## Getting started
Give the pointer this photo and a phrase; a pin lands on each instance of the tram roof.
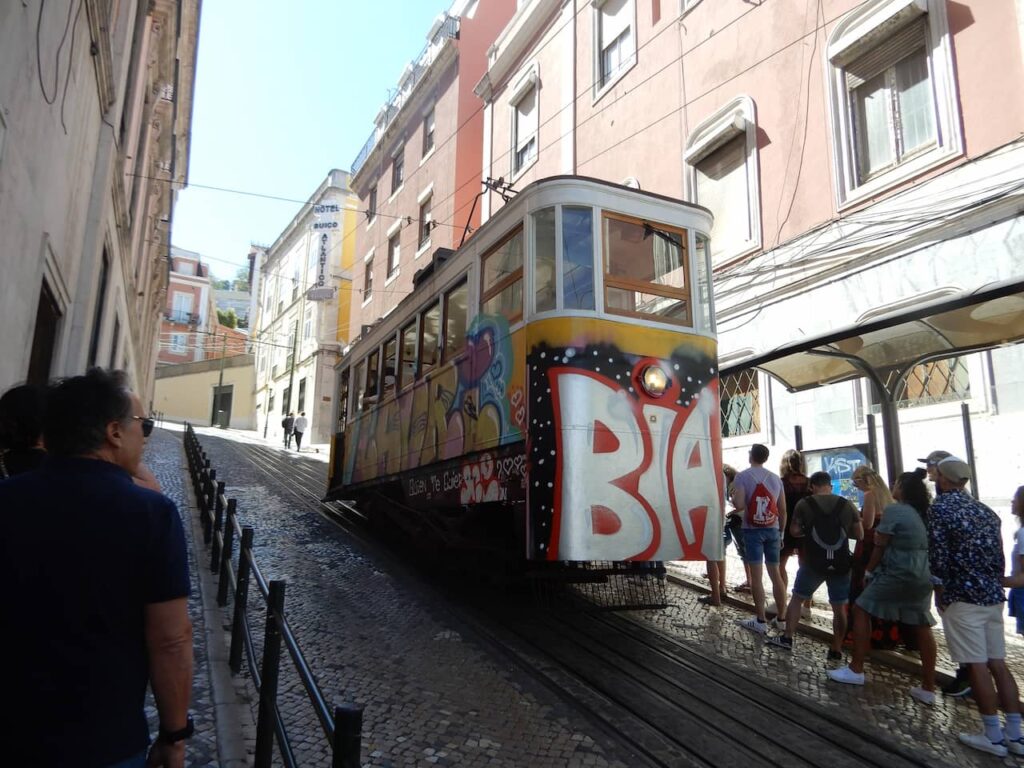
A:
(891, 345)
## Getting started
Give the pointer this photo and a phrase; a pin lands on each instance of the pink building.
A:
(865, 169)
(185, 330)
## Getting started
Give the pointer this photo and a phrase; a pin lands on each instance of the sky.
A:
(284, 92)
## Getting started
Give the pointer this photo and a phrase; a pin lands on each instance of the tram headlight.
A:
(654, 380)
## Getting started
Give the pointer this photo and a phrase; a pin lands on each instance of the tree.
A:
(228, 319)
(242, 279)
(220, 285)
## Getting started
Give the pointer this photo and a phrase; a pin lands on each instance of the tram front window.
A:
(503, 279)
(646, 270)
(577, 258)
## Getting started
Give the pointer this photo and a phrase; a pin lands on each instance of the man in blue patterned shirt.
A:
(966, 557)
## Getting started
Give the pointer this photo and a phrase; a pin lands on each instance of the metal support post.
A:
(265, 724)
(798, 437)
(225, 555)
(965, 415)
(241, 600)
(218, 527)
(872, 440)
(348, 728)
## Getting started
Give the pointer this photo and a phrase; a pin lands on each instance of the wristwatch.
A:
(172, 737)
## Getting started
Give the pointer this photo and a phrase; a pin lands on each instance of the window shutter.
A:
(722, 187)
(526, 118)
(614, 20)
(887, 53)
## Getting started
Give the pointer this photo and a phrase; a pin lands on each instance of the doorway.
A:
(221, 413)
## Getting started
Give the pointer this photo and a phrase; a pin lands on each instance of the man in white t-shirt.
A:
(301, 422)
(757, 493)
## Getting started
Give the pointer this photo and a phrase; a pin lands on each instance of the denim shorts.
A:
(808, 581)
(761, 545)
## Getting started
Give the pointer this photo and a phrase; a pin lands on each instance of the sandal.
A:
(743, 588)
(708, 600)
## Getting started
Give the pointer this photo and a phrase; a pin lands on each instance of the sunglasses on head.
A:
(147, 424)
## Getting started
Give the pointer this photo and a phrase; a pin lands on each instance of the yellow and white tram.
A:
(548, 390)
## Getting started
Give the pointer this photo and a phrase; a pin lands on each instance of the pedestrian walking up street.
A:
(288, 425)
(898, 585)
(96, 607)
(967, 564)
(301, 423)
(758, 493)
(825, 523)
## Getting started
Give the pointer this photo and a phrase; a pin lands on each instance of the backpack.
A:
(762, 511)
(826, 546)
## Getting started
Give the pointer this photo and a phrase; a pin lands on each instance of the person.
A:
(21, 429)
(877, 498)
(288, 425)
(300, 425)
(796, 485)
(716, 568)
(758, 493)
(966, 558)
(899, 586)
(931, 463)
(104, 613)
(826, 523)
(1016, 578)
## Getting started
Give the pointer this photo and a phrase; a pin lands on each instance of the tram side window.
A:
(503, 278)
(429, 336)
(343, 399)
(360, 386)
(646, 270)
(544, 258)
(577, 258)
(456, 317)
(390, 363)
(407, 366)
(372, 379)
(704, 315)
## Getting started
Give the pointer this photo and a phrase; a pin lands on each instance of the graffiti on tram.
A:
(494, 476)
(464, 407)
(616, 473)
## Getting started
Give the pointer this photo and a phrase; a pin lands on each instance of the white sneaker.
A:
(1014, 746)
(922, 695)
(758, 627)
(779, 625)
(983, 743)
(846, 675)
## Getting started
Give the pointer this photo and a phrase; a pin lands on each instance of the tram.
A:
(549, 390)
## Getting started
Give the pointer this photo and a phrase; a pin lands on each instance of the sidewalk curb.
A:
(893, 659)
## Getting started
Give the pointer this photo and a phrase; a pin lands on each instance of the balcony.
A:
(182, 318)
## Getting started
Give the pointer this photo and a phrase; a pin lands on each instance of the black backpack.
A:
(826, 543)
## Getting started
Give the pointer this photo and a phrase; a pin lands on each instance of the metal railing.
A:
(342, 724)
(420, 66)
(186, 318)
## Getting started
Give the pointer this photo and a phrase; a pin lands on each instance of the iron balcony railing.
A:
(185, 318)
(449, 29)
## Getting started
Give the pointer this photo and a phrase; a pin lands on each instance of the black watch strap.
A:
(172, 737)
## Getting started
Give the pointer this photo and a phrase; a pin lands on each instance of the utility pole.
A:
(291, 371)
(220, 378)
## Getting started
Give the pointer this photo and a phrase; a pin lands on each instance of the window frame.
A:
(421, 326)
(429, 142)
(371, 206)
(397, 171)
(601, 85)
(486, 294)
(447, 353)
(423, 235)
(394, 255)
(368, 278)
(414, 324)
(527, 81)
(859, 33)
(625, 284)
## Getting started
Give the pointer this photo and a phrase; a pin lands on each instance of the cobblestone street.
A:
(433, 693)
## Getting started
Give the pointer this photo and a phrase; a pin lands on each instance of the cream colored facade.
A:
(297, 341)
(186, 392)
(94, 139)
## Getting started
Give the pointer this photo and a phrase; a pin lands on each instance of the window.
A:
(430, 333)
(181, 304)
(270, 405)
(372, 390)
(544, 259)
(577, 258)
(390, 365)
(939, 381)
(179, 343)
(307, 325)
(426, 222)
(343, 390)
(741, 403)
(286, 399)
(456, 319)
(302, 395)
(722, 161)
(44, 337)
(892, 94)
(616, 42)
(428, 132)
(101, 300)
(645, 270)
(368, 279)
(407, 366)
(371, 204)
(394, 246)
(115, 342)
(502, 292)
(524, 128)
(398, 170)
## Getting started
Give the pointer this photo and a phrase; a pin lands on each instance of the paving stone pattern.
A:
(431, 694)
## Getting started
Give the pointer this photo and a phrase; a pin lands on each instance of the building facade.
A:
(94, 141)
(303, 287)
(186, 322)
(865, 172)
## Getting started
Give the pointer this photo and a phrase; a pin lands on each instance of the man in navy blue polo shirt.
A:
(96, 574)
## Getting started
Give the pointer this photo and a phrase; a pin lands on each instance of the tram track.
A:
(670, 703)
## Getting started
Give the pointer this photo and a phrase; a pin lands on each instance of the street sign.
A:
(320, 294)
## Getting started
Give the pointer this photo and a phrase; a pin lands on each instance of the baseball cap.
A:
(954, 469)
(935, 457)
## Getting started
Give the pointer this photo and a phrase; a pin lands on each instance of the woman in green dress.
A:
(899, 584)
